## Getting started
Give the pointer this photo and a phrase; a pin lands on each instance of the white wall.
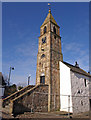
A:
(1, 91)
(65, 88)
(81, 104)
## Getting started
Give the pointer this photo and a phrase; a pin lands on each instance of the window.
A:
(85, 82)
(43, 40)
(54, 29)
(43, 55)
(78, 92)
(44, 29)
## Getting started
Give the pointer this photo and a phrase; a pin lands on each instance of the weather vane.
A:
(49, 6)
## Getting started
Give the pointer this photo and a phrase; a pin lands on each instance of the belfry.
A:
(48, 57)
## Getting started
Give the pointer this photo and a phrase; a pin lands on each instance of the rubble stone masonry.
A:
(48, 66)
(35, 99)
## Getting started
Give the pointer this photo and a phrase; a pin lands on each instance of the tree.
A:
(5, 78)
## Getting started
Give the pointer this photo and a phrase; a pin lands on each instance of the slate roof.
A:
(49, 18)
(77, 69)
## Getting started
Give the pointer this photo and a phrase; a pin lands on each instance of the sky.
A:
(0, 37)
(21, 28)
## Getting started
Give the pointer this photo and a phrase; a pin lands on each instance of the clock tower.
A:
(48, 57)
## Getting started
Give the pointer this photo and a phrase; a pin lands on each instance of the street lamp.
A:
(29, 79)
(11, 68)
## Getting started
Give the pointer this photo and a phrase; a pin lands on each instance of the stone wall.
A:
(56, 56)
(7, 100)
(80, 104)
(35, 99)
(48, 66)
(90, 95)
(43, 64)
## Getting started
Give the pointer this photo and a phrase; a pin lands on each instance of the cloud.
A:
(22, 79)
(22, 55)
(77, 52)
(84, 62)
(26, 49)
(22, 84)
(21, 72)
(75, 46)
(24, 59)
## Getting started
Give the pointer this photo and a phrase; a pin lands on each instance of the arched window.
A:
(43, 40)
(44, 29)
(43, 55)
(54, 29)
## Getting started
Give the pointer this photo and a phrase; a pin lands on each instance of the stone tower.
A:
(48, 57)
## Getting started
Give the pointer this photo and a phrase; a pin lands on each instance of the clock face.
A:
(43, 55)
(43, 40)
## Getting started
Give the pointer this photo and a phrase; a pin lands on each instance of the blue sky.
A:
(21, 29)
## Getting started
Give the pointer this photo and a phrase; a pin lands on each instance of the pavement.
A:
(45, 116)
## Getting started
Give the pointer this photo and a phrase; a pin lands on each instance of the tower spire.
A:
(49, 7)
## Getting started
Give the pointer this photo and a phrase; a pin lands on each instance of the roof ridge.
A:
(77, 69)
(70, 64)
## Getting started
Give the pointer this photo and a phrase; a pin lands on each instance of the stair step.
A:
(6, 100)
(5, 110)
(7, 106)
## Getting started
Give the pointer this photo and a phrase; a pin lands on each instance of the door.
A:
(42, 79)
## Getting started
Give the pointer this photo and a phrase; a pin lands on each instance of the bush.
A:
(20, 87)
(9, 90)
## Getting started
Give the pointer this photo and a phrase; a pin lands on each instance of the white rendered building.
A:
(74, 88)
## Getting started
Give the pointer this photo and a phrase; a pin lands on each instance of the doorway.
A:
(42, 79)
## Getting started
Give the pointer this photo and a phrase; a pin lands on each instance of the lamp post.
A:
(11, 68)
(29, 79)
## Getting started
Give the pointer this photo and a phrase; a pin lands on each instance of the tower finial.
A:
(49, 7)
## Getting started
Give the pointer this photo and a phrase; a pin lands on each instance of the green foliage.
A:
(10, 89)
(20, 87)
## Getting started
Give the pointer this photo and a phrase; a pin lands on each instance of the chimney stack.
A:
(76, 64)
(89, 72)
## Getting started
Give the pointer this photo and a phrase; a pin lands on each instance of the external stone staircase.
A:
(6, 109)
(25, 99)
(7, 100)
